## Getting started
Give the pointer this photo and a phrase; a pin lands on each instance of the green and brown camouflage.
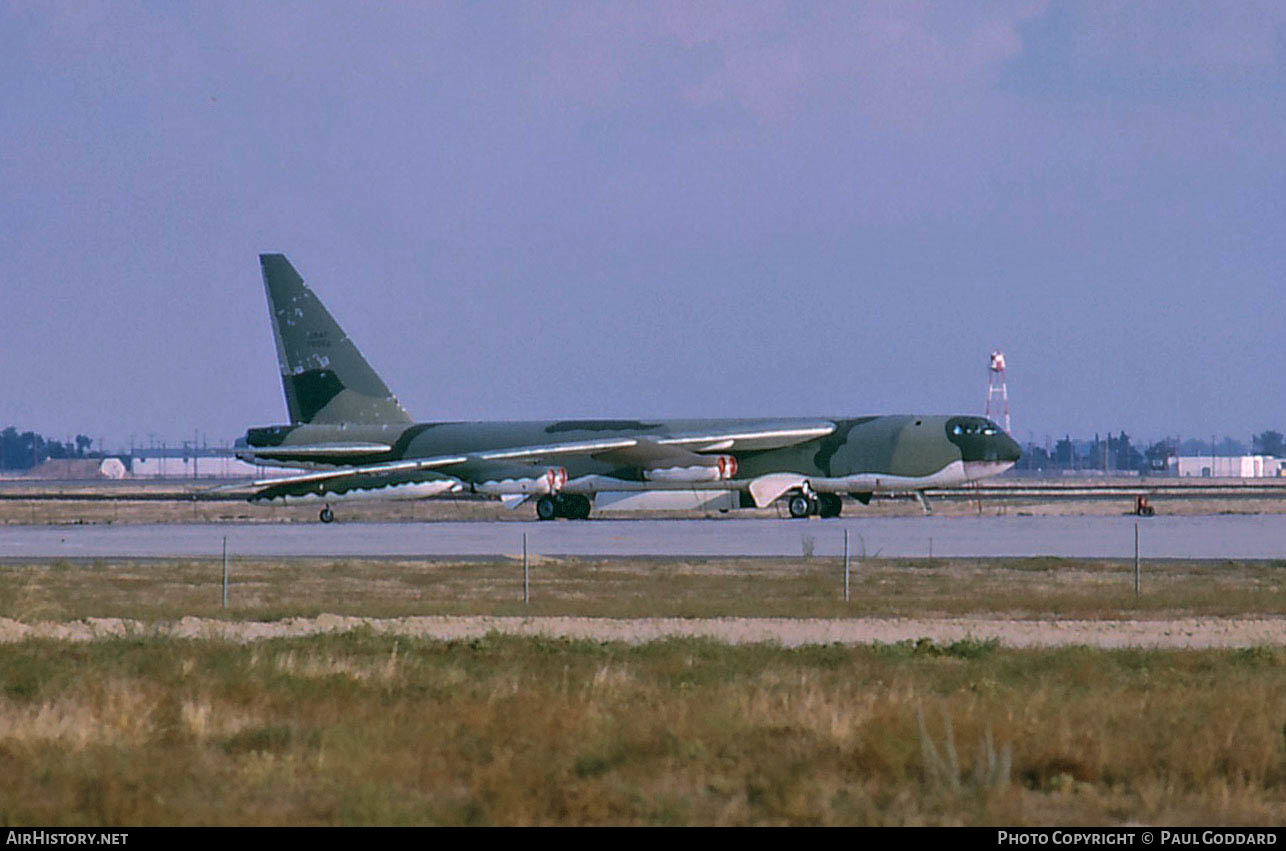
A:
(349, 429)
(324, 376)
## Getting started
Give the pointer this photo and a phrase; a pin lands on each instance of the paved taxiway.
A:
(1202, 537)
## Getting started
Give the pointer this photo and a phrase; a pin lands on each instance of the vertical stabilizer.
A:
(325, 377)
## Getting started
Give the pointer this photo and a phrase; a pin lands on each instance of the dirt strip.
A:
(1182, 632)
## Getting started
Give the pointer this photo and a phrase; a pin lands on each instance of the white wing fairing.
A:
(766, 490)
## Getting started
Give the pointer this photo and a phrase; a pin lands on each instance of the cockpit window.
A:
(974, 427)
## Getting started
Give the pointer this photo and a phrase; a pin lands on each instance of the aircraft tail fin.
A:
(324, 376)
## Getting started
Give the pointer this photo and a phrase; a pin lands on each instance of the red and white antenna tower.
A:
(997, 391)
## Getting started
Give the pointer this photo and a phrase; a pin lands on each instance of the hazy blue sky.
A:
(630, 209)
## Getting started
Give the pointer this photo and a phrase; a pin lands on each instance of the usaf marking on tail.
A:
(357, 441)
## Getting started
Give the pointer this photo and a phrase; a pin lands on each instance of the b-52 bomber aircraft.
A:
(356, 441)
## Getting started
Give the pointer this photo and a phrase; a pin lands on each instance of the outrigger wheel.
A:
(326, 515)
(801, 506)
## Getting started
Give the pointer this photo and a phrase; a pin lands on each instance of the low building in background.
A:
(175, 466)
(1230, 467)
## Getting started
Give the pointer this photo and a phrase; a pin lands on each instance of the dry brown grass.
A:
(638, 587)
(358, 728)
(363, 729)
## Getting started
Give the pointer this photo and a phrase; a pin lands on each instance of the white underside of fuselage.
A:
(978, 470)
(953, 475)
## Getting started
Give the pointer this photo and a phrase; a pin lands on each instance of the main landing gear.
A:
(824, 505)
(573, 506)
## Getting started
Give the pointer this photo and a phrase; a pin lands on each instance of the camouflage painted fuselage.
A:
(350, 429)
(900, 450)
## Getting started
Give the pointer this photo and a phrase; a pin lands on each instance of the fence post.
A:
(1136, 560)
(526, 574)
(225, 571)
(845, 565)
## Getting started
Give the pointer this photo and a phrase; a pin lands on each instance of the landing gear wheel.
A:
(546, 508)
(801, 506)
(576, 506)
(326, 515)
(829, 505)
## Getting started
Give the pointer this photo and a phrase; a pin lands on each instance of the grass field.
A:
(633, 587)
(365, 729)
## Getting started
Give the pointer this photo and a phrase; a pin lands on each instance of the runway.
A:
(1197, 537)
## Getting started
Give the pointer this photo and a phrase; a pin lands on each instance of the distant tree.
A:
(1034, 458)
(1159, 455)
(1230, 447)
(1065, 453)
(1224, 448)
(1126, 457)
(1193, 446)
(28, 449)
(34, 450)
(1270, 443)
(1098, 456)
(9, 450)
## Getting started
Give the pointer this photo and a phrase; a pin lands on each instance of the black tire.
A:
(577, 507)
(546, 508)
(829, 505)
(800, 506)
(326, 515)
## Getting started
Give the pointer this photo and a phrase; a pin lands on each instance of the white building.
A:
(1231, 466)
(205, 467)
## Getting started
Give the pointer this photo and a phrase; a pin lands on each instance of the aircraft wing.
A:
(681, 457)
(763, 436)
(421, 472)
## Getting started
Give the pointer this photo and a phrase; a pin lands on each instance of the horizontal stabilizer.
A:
(311, 452)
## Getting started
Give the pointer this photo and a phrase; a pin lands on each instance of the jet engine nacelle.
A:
(552, 481)
(720, 467)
